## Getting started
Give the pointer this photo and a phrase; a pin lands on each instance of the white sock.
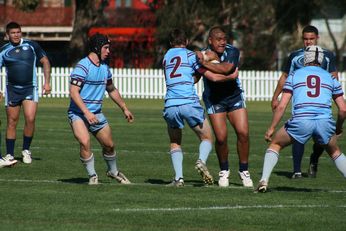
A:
(205, 148)
(270, 159)
(89, 165)
(177, 161)
(111, 162)
(340, 163)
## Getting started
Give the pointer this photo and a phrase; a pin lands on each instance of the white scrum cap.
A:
(313, 54)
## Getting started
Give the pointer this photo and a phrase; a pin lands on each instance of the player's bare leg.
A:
(175, 137)
(29, 110)
(219, 124)
(12, 121)
(104, 137)
(81, 134)
(203, 132)
(239, 120)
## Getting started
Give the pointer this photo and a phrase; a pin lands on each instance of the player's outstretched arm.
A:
(340, 103)
(116, 97)
(46, 72)
(219, 77)
(278, 113)
(278, 90)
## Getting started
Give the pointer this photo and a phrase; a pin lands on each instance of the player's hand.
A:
(46, 89)
(91, 117)
(212, 55)
(199, 56)
(274, 104)
(128, 115)
(1, 96)
(233, 75)
(268, 135)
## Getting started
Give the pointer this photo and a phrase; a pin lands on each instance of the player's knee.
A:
(30, 119)
(221, 141)
(175, 146)
(108, 149)
(84, 144)
(275, 147)
(243, 136)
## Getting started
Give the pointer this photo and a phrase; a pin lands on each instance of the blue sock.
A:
(10, 146)
(205, 148)
(111, 162)
(270, 159)
(27, 142)
(224, 166)
(243, 167)
(340, 163)
(297, 155)
(317, 151)
(177, 161)
(89, 165)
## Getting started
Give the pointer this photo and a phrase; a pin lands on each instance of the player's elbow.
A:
(342, 112)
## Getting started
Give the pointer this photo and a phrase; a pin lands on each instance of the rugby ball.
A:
(206, 58)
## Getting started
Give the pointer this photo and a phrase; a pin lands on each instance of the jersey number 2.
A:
(176, 61)
(313, 82)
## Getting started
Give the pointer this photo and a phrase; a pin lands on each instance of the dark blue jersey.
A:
(296, 61)
(216, 91)
(20, 62)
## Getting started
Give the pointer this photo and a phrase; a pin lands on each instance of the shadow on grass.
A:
(289, 174)
(294, 189)
(75, 180)
(20, 159)
(194, 183)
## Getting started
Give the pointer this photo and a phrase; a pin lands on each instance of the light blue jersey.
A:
(92, 80)
(180, 64)
(313, 89)
(20, 62)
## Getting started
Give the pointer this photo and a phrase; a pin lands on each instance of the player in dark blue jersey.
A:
(312, 90)
(296, 61)
(19, 57)
(182, 104)
(89, 81)
(225, 101)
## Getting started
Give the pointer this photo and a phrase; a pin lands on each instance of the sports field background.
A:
(52, 193)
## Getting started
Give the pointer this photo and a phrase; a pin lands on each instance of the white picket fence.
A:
(150, 83)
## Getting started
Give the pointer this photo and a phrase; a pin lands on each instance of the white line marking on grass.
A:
(224, 208)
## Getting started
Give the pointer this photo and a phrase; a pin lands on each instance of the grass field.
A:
(52, 193)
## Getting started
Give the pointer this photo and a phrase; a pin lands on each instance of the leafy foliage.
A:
(27, 5)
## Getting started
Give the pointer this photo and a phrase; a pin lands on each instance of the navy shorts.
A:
(228, 104)
(15, 96)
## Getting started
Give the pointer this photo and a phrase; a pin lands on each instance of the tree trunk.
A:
(86, 16)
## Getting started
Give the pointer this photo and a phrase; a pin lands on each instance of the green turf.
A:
(52, 194)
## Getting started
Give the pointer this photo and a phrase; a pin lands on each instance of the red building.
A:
(130, 25)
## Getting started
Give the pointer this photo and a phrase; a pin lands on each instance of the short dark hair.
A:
(216, 29)
(12, 25)
(310, 29)
(177, 37)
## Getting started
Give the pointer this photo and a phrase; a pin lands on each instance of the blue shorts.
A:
(302, 130)
(193, 114)
(228, 104)
(94, 128)
(15, 96)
